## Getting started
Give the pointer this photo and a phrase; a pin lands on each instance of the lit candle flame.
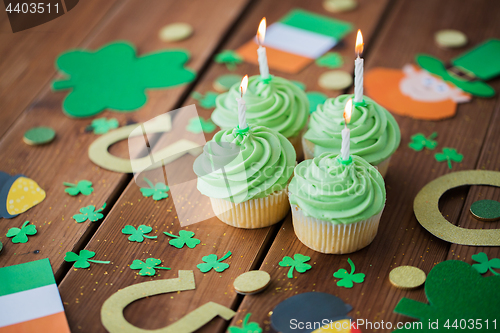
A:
(359, 43)
(348, 111)
(261, 32)
(244, 85)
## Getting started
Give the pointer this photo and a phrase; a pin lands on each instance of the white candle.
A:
(261, 51)
(358, 70)
(346, 133)
(242, 107)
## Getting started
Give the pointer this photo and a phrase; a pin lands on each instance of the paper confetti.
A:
(138, 235)
(297, 263)
(89, 213)
(147, 268)
(185, 238)
(347, 279)
(83, 186)
(21, 235)
(82, 260)
(211, 261)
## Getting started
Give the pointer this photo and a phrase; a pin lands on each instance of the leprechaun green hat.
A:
(469, 69)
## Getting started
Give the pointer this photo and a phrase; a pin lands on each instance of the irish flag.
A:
(30, 300)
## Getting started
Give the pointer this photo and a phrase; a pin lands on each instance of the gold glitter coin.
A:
(450, 38)
(251, 282)
(407, 277)
(338, 6)
(335, 80)
(175, 32)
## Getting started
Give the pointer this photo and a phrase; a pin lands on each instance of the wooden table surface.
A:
(394, 32)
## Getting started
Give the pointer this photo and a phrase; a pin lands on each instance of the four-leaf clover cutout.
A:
(347, 279)
(211, 261)
(449, 154)
(207, 101)
(184, 238)
(198, 124)
(83, 186)
(485, 264)
(103, 125)
(82, 260)
(230, 58)
(148, 267)
(21, 235)
(246, 327)
(297, 263)
(419, 142)
(158, 191)
(138, 235)
(89, 213)
(330, 60)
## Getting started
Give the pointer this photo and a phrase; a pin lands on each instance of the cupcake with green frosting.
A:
(245, 173)
(375, 134)
(275, 103)
(336, 204)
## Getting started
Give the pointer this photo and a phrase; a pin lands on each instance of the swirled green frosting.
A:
(276, 103)
(239, 166)
(328, 190)
(375, 134)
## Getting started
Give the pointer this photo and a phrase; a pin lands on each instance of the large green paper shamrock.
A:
(89, 213)
(139, 234)
(84, 187)
(103, 125)
(148, 267)
(246, 327)
(207, 101)
(82, 260)
(485, 264)
(211, 261)
(457, 295)
(449, 154)
(419, 142)
(347, 279)
(298, 262)
(184, 238)
(330, 60)
(230, 58)
(114, 77)
(198, 124)
(21, 235)
(158, 191)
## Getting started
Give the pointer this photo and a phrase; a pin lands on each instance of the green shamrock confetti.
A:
(449, 154)
(198, 124)
(230, 58)
(330, 60)
(147, 268)
(103, 125)
(82, 260)
(315, 98)
(138, 235)
(89, 213)
(298, 262)
(184, 238)
(211, 261)
(485, 264)
(114, 77)
(347, 279)
(246, 327)
(419, 141)
(21, 235)
(207, 101)
(158, 191)
(84, 187)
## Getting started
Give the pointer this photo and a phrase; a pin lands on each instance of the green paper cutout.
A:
(456, 292)
(486, 210)
(482, 60)
(158, 191)
(21, 235)
(184, 238)
(330, 60)
(449, 154)
(226, 81)
(297, 263)
(84, 187)
(419, 142)
(198, 124)
(320, 24)
(211, 261)
(138, 235)
(299, 84)
(207, 101)
(103, 125)
(40, 135)
(89, 213)
(347, 279)
(1, 246)
(147, 268)
(485, 264)
(230, 58)
(82, 260)
(246, 327)
(315, 98)
(114, 77)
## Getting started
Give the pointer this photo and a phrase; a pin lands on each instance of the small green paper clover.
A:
(485, 264)
(449, 154)
(298, 262)
(89, 213)
(84, 187)
(246, 327)
(198, 125)
(103, 125)
(347, 279)
(419, 142)
(184, 238)
(139, 234)
(21, 235)
(230, 58)
(148, 267)
(211, 261)
(207, 101)
(330, 60)
(82, 260)
(158, 191)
